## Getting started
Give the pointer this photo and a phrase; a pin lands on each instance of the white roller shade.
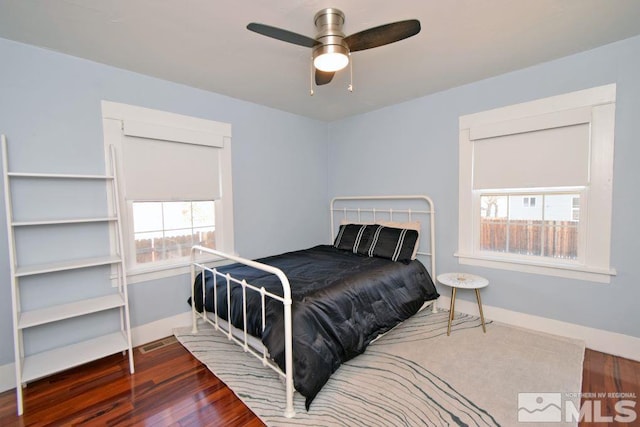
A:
(193, 170)
(172, 133)
(556, 157)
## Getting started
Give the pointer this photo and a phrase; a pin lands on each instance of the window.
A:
(510, 223)
(548, 215)
(174, 177)
(529, 202)
(167, 230)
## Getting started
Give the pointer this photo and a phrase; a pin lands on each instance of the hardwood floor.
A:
(619, 378)
(171, 388)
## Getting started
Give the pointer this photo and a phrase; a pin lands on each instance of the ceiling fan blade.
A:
(323, 77)
(280, 34)
(384, 34)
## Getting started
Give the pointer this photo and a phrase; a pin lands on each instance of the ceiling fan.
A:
(331, 48)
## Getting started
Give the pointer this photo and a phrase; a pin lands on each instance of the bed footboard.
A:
(228, 329)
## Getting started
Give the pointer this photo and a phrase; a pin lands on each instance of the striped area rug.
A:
(415, 375)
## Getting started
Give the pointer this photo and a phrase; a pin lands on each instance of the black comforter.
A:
(341, 302)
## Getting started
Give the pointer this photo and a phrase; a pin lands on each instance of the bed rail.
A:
(232, 332)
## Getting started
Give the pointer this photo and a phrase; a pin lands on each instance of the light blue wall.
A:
(413, 148)
(50, 111)
(286, 167)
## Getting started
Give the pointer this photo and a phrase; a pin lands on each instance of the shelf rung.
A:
(66, 265)
(63, 221)
(57, 176)
(61, 358)
(66, 311)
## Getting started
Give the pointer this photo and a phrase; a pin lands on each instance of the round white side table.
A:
(463, 281)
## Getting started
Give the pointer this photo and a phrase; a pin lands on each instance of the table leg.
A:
(451, 309)
(480, 307)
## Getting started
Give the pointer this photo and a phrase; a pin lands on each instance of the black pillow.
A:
(355, 238)
(395, 244)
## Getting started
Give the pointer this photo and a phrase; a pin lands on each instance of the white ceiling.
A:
(205, 43)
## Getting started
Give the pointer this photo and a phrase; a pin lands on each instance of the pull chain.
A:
(350, 88)
(311, 78)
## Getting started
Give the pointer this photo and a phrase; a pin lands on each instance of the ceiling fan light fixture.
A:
(331, 49)
(330, 58)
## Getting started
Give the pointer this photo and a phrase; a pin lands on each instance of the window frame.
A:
(596, 198)
(114, 116)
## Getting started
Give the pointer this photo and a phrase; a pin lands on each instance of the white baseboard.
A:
(595, 339)
(7, 377)
(159, 329)
(139, 335)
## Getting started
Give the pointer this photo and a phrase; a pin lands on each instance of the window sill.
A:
(148, 273)
(578, 272)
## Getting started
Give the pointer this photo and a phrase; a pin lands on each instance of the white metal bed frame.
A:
(349, 209)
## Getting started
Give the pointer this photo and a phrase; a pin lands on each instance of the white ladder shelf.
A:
(30, 367)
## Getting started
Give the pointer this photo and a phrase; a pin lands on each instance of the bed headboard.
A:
(371, 209)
